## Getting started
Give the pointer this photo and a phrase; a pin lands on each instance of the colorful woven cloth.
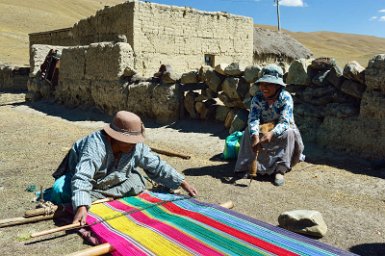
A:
(165, 224)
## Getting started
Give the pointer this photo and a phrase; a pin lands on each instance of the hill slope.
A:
(19, 17)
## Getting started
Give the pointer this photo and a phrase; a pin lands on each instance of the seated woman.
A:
(278, 150)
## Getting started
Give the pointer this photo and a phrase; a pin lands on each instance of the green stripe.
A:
(215, 239)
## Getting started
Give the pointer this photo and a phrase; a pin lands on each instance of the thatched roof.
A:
(268, 42)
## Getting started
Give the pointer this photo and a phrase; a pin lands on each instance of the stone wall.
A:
(161, 34)
(100, 76)
(13, 79)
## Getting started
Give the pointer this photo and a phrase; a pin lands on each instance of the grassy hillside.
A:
(20, 17)
(343, 47)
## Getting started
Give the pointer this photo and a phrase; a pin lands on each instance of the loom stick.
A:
(42, 211)
(94, 251)
(170, 153)
(54, 230)
(107, 248)
(22, 220)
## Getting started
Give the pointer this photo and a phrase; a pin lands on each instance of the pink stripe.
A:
(120, 244)
(167, 230)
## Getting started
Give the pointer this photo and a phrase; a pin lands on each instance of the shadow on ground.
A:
(355, 164)
(375, 249)
(314, 153)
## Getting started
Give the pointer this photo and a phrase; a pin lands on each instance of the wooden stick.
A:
(94, 251)
(54, 230)
(39, 211)
(107, 248)
(42, 211)
(170, 153)
(22, 220)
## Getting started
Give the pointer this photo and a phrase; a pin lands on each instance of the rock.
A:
(323, 63)
(230, 86)
(220, 69)
(353, 70)
(334, 77)
(251, 73)
(234, 69)
(353, 88)
(221, 113)
(129, 71)
(298, 72)
(189, 103)
(304, 222)
(343, 110)
(243, 88)
(213, 80)
(253, 90)
(239, 122)
(190, 78)
(170, 77)
(320, 78)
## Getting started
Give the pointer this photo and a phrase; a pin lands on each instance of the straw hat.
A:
(126, 127)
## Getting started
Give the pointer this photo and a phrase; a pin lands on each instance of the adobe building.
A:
(159, 34)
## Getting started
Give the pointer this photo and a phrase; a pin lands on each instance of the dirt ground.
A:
(34, 137)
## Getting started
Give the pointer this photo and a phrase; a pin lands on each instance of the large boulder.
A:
(298, 72)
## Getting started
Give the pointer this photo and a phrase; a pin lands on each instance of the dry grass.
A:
(19, 17)
(342, 47)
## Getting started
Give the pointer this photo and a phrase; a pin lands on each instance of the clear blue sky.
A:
(345, 16)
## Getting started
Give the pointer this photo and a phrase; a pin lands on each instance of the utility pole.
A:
(279, 26)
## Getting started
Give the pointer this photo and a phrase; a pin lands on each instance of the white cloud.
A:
(292, 3)
(382, 18)
(382, 10)
(373, 18)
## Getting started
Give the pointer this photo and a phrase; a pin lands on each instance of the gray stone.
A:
(334, 77)
(353, 88)
(165, 104)
(353, 70)
(213, 80)
(375, 73)
(189, 103)
(298, 72)
(372, 105)
(320, 78)
(240, 121)
(220, 69)
(221, 113)
(251, 73)
(234, 69)
(323, 63)
(230, 86)
(243, 88)
(189, 78)
(343, 110)
(307, 222)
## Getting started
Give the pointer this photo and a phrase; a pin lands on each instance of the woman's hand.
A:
(266, 137)
(188, 188)
(81, 215)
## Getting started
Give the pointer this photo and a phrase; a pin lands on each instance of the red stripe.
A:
(222, 227)
(177, 235)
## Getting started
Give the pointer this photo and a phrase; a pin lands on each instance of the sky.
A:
(365, 17)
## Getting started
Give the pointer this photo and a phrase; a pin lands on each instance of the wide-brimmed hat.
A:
(273, 74)
(126, 127)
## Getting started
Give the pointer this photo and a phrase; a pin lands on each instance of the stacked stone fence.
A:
(13, 78)
(338, 108)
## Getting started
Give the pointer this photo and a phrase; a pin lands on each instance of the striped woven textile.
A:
(164, 224)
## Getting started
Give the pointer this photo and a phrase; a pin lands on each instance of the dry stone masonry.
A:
(167, 63)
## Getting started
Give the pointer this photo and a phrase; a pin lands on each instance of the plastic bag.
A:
(232, 144)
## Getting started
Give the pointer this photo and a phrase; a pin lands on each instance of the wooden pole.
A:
(54, 230)
(170, 153)
(22, 220)
(94, 251)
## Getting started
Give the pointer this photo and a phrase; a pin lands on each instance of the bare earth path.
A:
(35, 136)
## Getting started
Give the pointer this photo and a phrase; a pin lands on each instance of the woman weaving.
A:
(104, 164)
(279, 149)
